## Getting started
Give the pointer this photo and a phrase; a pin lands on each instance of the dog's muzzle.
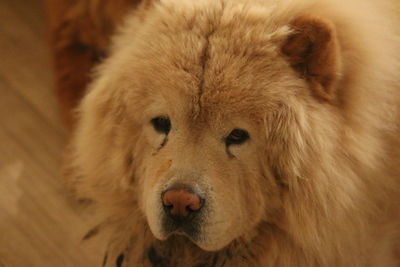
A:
(183, 208)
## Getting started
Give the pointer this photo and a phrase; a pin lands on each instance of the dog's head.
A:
(202, 115)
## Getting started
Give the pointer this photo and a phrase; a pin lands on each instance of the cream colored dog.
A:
(246, 133)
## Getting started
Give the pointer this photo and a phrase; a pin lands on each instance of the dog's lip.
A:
(177, 232)
(181, 233)
(181, 230)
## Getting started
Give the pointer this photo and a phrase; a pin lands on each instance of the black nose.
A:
(181, 203)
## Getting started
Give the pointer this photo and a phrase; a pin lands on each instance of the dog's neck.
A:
(179, 251)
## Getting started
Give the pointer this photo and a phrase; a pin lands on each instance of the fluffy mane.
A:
(342, 168)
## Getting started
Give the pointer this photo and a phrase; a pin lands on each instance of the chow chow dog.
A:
(234, 132)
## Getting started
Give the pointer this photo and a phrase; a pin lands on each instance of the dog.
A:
(234, 133)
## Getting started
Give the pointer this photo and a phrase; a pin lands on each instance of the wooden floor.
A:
(38, 224)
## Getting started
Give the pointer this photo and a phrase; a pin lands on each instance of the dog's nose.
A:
(180, 202)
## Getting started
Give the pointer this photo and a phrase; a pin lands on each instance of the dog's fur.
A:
(314, 82)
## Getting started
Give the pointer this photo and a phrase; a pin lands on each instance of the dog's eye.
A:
(237, 137)
(161, 124)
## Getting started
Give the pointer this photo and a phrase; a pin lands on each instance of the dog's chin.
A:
(211, 245)
(200, 240)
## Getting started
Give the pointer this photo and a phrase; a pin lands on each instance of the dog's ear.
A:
(313, 51)
(147, 4)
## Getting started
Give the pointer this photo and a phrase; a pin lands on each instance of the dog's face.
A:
(197, 123)
(201, 174)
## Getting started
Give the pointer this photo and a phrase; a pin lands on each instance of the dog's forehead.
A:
(221, 65)
(216, 60)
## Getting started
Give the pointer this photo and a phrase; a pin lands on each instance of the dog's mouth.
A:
(187, 226)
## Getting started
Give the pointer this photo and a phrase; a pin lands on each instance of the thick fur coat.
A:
(314, 83)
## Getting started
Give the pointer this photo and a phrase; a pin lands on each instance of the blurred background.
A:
(39, 224)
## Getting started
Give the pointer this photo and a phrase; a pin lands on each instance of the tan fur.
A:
(80, 33)
(313, 51)
(318, 182)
